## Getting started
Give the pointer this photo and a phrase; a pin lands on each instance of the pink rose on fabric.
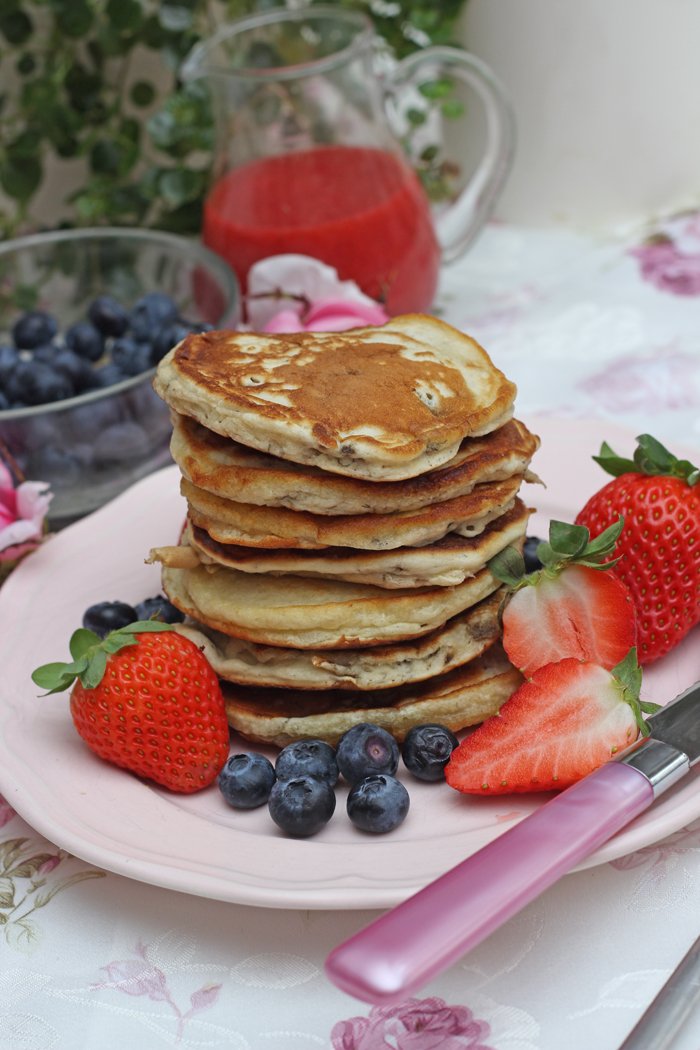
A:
(667, 267)
(295, 293)
(136, 977)
(22, 512)
(417, 1024)
(6, 812)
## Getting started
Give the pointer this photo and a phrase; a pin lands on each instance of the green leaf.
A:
(567, 540)
(20, 177)
(142, 93)
(628, 675)
(508, 566)
(453, 109)
(75, 18)
(16, 26)
(82, 641)
(53, 677)
(145, 627)
(416, 117)
(604, 543)
(436, 89)
(650, 458)
(94, 672)
(124, 15)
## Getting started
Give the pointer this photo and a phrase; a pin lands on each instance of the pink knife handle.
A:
(407, 946)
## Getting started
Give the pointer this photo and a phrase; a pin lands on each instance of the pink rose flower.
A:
(295, 293)
(417, 1024)
(22, 513)
(6, 812)
(668, 268)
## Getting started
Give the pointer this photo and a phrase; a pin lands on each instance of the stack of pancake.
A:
(345, 492)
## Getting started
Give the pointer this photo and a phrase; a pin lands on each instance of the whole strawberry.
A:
(658, 496)
(146, 699)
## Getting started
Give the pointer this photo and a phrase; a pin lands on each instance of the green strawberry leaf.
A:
(612, 463)
(94, 672)
(53, 677)
(90, 654)
(82, 641)
(567, 540)
(567, 545)
(603, 544)
(651, 458)
(508, 566)
(628, 675)
(144, 626)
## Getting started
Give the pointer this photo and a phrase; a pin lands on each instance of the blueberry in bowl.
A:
(85, 316)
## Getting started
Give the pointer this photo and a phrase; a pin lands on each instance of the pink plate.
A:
(197, 844)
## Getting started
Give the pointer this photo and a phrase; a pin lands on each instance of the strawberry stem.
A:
(628, 675)
(90, 653)
(568, 545)
(651, 458)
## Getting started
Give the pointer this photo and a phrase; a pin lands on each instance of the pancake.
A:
(448, 561)
(303, 613)
(458, 699)
(228, 521)
(385, 402)
(231, 470)
(461, 639)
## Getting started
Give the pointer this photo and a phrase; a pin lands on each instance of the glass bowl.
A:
(91, 447)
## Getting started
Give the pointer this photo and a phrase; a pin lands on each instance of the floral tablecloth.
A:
(606, 328)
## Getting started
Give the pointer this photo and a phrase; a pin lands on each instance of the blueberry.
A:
(150, 313)
(74, 367)
(166, 338)
(130, 357)
(246, 780)
(120, 442)
(313, 757)
(427, 749)
(108, 616)
(379, 803)
(301, 806)
(532, 562)
(158, 608)
(56, 464)
(33, 329)
(365, 749)
(36, 383)
(4, 402)
(108, 375)
(85, 340)
(9, 358)
(108, 315)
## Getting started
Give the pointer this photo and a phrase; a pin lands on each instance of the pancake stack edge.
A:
(340, 576)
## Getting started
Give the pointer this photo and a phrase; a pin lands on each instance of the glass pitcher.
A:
(309, 158)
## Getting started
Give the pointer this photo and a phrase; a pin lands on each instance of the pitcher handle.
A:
(460, 222)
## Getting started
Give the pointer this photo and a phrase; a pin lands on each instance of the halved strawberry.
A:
(570, 718)
(569, 607)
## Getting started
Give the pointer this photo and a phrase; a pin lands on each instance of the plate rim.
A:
(683, 802)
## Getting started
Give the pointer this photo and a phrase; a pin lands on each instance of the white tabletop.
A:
(95, 961)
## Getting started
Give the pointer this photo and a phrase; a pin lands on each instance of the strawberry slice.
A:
(569, 608)
(570, 718)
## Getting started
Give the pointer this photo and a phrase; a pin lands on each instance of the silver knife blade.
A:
(678, 723)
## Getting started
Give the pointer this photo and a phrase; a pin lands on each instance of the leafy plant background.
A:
(77, 83)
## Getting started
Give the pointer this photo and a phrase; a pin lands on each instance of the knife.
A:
(404, 948)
